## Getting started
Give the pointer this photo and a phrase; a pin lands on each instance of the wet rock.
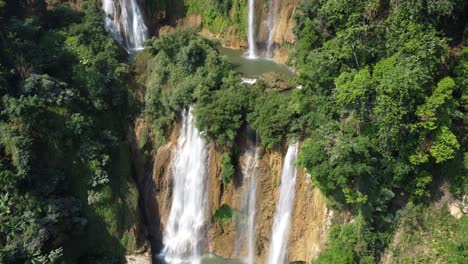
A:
(311, 217)
(138, 259)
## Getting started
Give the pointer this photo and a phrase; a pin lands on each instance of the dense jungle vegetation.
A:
(64, 165)
(382, 112)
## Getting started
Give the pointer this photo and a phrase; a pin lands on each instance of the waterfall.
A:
(273, 9)
(246, 227)
(124, 22)
(185, 232)
(252, 208)
(284, 208)
(109, 8)
(251, 54)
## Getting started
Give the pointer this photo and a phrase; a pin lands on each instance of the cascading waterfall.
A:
(273, 9)
(112, 26)
(252, 210)
(246, 229)
(185, 232)
(124, 22)
(284, 208)
(251, 54)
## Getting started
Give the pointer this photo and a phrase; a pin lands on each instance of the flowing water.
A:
(125, 23)
(246, 225)
(185, 235)
(251, 53)
(284, 208)
(273, 10)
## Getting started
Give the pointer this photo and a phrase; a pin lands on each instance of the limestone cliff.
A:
(308, 229)
(161, 13)
(163, 18)
(283, 27)
(282, 32)
(311, 215)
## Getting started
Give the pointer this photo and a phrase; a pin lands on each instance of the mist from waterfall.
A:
(125, 23)
(251, 53)
(246, 224)
(272, 11)
(185, 234)
(284, 208)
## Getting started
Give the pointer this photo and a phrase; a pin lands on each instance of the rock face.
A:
(138, 259)
(161, 13)
(283, 26)
(160, 19)
(310, 218)
(284, 22)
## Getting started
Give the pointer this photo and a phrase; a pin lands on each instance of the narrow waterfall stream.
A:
(252, 208)
(251, 53)
(284, 208)
(184, 238)
(246, 225)
(273, 10)
(125, 23)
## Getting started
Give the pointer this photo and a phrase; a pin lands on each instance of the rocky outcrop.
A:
(138, 259)
(308, 229)
(283, 29)
(158, 14)
(284, 22)
(276, 81)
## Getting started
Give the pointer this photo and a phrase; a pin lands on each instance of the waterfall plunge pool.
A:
(212, 259)
(206, 259)
(250, 68)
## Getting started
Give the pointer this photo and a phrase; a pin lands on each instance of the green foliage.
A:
(430, 235)
(219, 15)
(340, 163)
(430, 11)
(225, 214)
(172, 84)
(382, 105)
(441, 95)
(387, 97)
(444, 145)
(98, 73)
(420, 186)
(221, 114)
(227, 169)
(271, 118)
(59, 72)
(435, 115)
(349, 243)
(457, 169)
(355, 91)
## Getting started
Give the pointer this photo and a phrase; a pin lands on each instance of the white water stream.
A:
(185, 237)
(284, 208)
(251, 53)
(125, 23)
(252, 208)
(273, 10)
(246, 225)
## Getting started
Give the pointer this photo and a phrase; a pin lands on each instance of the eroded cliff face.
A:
(161, 13)
(161, 21)
(311, 217)
(283, 26)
